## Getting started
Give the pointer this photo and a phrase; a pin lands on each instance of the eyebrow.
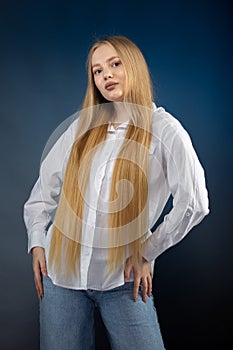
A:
(108, 60)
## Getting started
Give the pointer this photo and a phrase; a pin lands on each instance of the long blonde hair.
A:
(131, 165)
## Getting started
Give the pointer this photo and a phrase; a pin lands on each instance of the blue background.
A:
(188, 47)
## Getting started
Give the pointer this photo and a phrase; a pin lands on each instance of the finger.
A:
(39, 290)
(39, 286)
(149, 288)
(127, 270)
(137, 279)
(37, 279)
(43, 267)
(144, 289)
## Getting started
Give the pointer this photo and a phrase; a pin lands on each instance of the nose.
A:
(108, 74)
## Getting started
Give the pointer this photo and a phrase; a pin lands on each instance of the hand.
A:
(142, 273)
(39, 269)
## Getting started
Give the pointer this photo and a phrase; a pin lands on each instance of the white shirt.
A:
(174, 169)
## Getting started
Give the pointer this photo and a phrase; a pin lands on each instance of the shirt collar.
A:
(122, 126)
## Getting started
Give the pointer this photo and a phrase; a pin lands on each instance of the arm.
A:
(44, 195)
(37, 217)
(186, 181)
(43, 201)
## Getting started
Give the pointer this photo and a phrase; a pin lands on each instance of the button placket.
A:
(102, 180)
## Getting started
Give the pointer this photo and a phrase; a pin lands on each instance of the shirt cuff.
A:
(36, 239)
(149, 252)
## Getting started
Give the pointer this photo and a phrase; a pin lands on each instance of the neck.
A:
(122, 113)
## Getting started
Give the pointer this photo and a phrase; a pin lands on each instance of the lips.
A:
(110, 85)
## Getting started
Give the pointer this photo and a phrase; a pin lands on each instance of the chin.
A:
(117, 99)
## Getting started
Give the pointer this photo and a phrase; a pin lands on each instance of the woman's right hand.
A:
(39, 269)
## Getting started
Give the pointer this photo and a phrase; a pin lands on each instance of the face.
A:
(109, 73)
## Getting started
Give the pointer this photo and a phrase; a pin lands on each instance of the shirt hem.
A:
(56, 283)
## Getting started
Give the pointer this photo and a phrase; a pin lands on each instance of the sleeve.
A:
(44, 195)
(186, 182)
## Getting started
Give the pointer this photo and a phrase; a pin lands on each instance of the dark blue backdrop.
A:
(188, 48)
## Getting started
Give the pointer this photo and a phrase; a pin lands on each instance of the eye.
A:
(97, 71)
(116, 64)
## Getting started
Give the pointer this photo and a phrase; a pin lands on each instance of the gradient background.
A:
(188, 47)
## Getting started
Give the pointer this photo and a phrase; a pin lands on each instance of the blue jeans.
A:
(67, 319)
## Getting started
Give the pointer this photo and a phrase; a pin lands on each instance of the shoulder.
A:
(163, 120)
(62, 138)
(166, 127)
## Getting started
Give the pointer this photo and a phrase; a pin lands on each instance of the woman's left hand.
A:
(142, 274)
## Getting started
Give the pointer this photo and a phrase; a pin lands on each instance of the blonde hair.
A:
(131, 165)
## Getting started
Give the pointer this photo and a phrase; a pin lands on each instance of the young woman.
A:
(108, 178)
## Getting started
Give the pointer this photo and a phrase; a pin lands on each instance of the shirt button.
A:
(188, 213)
